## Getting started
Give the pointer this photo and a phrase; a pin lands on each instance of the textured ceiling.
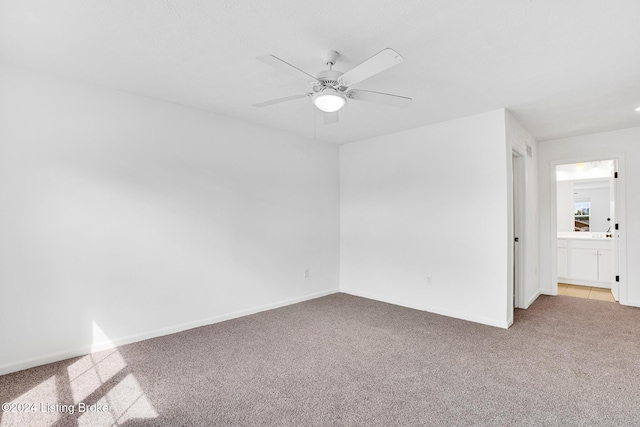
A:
(563, 68)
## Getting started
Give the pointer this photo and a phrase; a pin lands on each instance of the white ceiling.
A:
(562, 68)
(589, 171)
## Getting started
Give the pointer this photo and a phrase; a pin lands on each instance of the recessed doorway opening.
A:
(587, 232)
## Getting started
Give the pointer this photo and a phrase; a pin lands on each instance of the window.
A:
(581, 215)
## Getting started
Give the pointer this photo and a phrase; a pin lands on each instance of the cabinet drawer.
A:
(562, 243)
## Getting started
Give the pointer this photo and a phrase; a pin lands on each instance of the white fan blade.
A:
(379, 98)
(279, 100)
(377, 63)
(286, 67)
(330, 118)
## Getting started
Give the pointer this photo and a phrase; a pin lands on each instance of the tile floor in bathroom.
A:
(585, 292)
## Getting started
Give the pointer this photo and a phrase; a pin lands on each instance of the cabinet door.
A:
(604, 266)
(563, 263)
(584, 264)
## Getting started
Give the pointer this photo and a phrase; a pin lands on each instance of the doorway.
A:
(587, 208)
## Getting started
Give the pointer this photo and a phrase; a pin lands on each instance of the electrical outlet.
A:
(429, 281)
(306, 272)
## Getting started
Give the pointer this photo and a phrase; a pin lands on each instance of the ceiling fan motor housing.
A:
(329, 97)
(329, 78)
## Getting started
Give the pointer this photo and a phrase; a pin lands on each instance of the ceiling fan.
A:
(332, 88)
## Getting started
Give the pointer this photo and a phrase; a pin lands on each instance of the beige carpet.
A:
(342, 360)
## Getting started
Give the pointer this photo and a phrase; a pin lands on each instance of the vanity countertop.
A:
(584, 236)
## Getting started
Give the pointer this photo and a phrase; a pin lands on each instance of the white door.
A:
(519, 224)
(516, 225)
(613, 194)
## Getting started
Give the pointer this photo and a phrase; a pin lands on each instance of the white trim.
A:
(553, 227)
(521, 169)
(430, 309)
(632, 303)
(91, 348)
(532, 299)
(516, 206)
(621, 201)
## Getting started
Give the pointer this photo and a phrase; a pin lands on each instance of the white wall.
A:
(623, 144)
(426, 202)
(564, 202)
(130, 217)
(518, 138)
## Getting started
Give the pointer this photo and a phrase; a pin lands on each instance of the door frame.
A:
(621, 220)
(517, 227)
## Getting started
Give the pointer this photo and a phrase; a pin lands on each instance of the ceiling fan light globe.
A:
(329, 100)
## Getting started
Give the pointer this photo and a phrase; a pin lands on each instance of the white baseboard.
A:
(632, 303)
(436, 310)
(533, 298)
(19, 365)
